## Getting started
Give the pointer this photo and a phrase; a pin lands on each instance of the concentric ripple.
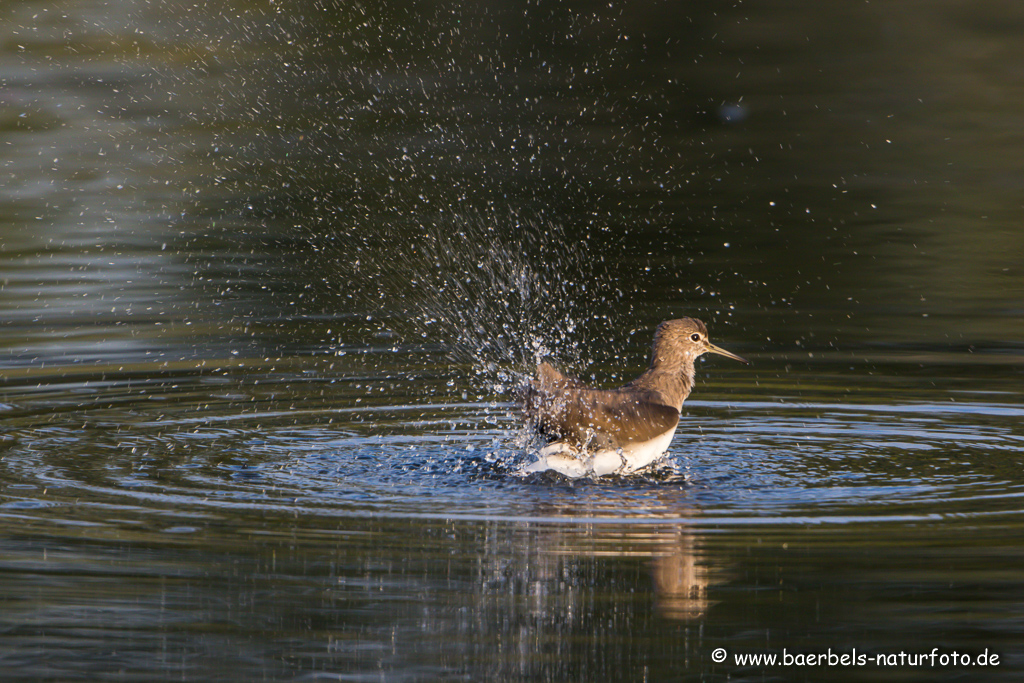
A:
(183, 452)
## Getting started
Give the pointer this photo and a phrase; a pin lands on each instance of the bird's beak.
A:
(711, 348)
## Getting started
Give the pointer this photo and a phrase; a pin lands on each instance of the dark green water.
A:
(269, 272)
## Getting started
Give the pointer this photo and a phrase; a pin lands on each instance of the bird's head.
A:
(680, 342)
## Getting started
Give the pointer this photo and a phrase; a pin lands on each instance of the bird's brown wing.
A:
(633, 419)
(564, 409)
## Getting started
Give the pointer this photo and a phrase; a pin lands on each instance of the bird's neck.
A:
(673, 381)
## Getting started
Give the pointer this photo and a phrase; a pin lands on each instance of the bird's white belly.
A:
(640, 455)
(574, 464)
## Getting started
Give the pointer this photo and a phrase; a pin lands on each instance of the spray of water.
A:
(500, 294)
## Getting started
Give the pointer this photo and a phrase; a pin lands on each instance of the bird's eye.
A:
(695, 337)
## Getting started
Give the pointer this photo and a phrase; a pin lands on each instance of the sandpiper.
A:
(606, 431)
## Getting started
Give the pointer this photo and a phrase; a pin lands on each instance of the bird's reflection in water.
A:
(577, 592)
(680, 571)
(682, 575)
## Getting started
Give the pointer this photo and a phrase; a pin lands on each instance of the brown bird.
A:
(605, 431)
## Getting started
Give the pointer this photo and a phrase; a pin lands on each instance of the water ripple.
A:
(731, 462)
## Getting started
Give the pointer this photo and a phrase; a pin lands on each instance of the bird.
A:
(597, 432)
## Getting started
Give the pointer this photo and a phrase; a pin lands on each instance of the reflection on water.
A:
(569, 602)
(268, 274)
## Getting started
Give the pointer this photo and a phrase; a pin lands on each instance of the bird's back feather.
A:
(564, 409)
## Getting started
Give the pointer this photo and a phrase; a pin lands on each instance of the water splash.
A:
(499, 294)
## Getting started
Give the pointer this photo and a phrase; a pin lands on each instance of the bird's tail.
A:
(539, 395)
